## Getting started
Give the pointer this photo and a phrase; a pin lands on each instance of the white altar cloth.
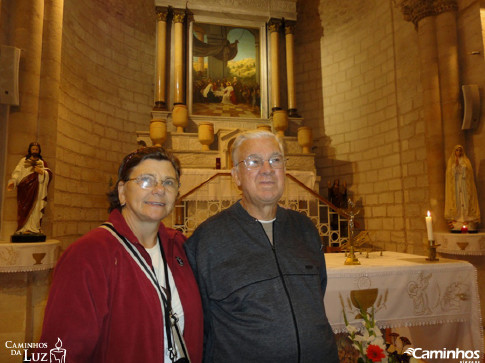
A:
(21, 257)
(405, 290)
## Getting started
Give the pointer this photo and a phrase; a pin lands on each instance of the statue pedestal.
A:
(468, 247)
(471, 244)
(25, 270)
(21, 257)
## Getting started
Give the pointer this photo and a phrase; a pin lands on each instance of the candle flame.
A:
(429, 214)
(58, 344)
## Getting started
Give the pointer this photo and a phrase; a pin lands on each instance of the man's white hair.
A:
(254, 134)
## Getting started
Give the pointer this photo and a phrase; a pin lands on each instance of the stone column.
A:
(27, 21)
(432, 119)
(160, 85)
(446, 34)
(49, 90)
(290, 72)
(180, 113)
(273, 27)
(435, 22)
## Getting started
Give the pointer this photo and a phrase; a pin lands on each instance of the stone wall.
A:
(371, 135)
(308, 68)
(106, 95)
(372, 132)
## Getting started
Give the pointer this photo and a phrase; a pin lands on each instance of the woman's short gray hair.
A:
(254, 134)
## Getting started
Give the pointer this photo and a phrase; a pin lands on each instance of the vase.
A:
(158, 131)
(305, 138)
(206, 134)
(280, 122)
(180, 117)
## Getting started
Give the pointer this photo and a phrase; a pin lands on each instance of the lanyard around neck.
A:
(165, 294)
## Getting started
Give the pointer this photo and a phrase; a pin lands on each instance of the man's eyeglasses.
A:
(253, 162)
(148, 181)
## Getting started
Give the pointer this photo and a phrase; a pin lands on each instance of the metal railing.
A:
(200, 203)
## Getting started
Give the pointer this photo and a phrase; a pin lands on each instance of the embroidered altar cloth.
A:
(405, 290)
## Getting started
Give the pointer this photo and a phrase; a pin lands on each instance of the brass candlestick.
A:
(352, 212)
(432, 252)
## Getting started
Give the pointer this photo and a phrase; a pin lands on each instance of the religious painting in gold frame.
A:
(226, 71)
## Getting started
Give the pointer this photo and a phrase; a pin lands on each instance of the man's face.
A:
(263, 186)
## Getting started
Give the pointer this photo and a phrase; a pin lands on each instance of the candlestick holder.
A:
(432, 252)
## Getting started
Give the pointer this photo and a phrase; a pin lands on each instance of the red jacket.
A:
(104, 309)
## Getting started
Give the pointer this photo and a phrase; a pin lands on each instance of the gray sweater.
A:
(262, 303)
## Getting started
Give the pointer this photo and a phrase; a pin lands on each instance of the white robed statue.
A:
(461, 202)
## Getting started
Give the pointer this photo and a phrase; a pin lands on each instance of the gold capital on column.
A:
(162, 13)
(178, 15)
(290, 27)
(274, 25)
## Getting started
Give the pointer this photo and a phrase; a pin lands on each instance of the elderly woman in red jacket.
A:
(125, 292)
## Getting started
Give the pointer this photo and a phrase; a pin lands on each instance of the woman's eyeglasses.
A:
(147, 181)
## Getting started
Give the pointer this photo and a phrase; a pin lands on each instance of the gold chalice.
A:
(363, 299)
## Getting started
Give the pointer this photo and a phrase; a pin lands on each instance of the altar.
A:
(407, 291)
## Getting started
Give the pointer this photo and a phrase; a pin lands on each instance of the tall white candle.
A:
(429, 226)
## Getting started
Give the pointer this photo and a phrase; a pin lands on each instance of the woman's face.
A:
(153, 204)
(458, 151)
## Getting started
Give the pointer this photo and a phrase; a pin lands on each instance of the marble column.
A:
(179, 113)
(274, 27)
(280, 117)
(290, 71)
(160, 85)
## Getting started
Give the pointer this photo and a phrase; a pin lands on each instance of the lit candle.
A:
(429, 226)
(464, 229)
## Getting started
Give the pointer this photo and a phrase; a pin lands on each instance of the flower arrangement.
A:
(370, 343)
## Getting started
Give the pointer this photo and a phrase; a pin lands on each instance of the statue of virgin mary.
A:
(461, 202)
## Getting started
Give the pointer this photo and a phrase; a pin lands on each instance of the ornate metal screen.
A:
(196, 206)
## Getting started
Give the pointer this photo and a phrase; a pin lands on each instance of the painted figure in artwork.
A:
(461, 202)
(31, 177)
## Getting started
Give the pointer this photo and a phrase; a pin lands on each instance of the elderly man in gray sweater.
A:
(260, 269)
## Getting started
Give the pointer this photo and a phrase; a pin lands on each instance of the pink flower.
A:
(375, 353)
